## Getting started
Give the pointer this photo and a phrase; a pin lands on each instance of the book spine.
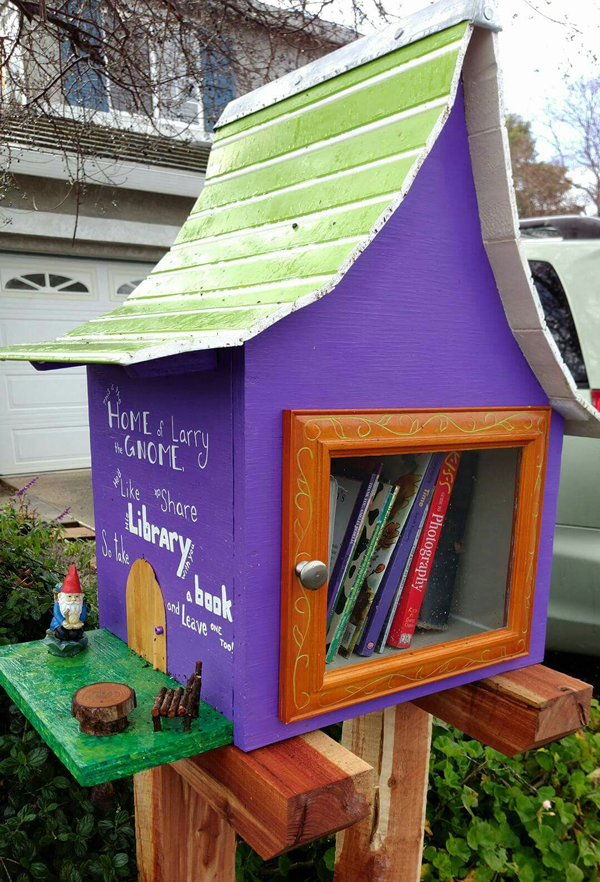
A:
(348, 545)
(352, 595)
(390, 583)
(437, 601)
(405, 620)
(381, 641)
(368, 588)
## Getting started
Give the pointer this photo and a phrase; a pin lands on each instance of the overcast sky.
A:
(542, 41)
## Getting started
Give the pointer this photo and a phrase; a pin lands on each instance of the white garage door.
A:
(43, 414)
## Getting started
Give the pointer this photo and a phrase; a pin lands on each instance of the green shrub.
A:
(533, 818)
(50, 827)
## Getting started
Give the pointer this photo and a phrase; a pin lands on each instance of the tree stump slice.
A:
(102, 708)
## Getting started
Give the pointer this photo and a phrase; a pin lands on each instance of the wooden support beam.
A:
(516, 711)
(284, 795)
(179, 838)
(386, 846)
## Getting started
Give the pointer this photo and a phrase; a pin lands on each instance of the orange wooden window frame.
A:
(310, 440)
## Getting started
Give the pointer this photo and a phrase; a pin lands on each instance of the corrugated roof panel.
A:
(348, 77)
(294, 193)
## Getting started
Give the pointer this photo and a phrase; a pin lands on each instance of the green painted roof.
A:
(294, 191)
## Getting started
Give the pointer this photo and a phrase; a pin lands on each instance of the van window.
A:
(559, 318)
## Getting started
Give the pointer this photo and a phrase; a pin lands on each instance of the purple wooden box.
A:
(187, 465)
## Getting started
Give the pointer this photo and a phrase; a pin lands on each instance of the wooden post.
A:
(179, 837)
(512, 712)
(387, 845)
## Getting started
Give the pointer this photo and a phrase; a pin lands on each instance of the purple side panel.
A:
(190, 416)
(416, 322)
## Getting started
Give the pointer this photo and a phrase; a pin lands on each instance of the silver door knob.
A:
(312, 573)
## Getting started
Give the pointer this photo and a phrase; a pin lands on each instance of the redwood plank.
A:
(281, 796)
(387, 845)
(516, 711)
(179, 838)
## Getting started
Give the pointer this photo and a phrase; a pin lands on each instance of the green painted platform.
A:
(42, 686)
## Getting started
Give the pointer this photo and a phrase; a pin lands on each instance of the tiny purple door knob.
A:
(159, 630)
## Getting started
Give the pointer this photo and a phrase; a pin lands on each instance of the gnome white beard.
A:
(71, 606)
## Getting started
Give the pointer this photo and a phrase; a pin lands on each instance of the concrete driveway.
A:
(54, 492)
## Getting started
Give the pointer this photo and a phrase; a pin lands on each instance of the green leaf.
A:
(554, 861)
(37, 757)
(544, 836)
(578, 783)
(284, 864)
(38, 871)
(61, 782)
(481, 835)
(120, 860)
(526, 873)
(85, 825)
(458, 847)
(544, 760)
(526, 808)
(442, 862)
(469, 799)
(329, 858)
(574, 874)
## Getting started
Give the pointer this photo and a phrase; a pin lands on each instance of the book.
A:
(406, 472)
(405, 618)
(437, 601)
(381, 641)
(359, 562)
(357, 609)
(333, 520)
(388, 594)
(356, 495)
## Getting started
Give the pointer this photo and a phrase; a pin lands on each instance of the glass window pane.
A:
(37, 279)
(55, 280)
(17, 284)
(75, 286)
(420, 550)
(128, 287)
(559, 318)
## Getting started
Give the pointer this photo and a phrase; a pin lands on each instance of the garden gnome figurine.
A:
(65, 636)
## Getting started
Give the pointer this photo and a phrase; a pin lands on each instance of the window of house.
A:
(45, 283)
(559, 318)
(84, 82)
(127, 287)
(217, 81)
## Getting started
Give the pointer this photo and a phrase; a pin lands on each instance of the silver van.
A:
(564, 257)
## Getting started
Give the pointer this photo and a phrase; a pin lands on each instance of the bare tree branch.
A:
(159, 68)
(574, 131)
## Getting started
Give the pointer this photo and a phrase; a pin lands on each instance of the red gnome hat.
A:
(71, 584)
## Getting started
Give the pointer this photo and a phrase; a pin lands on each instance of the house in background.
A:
(71, 252)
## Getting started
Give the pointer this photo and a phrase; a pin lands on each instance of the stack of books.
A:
(385, 526)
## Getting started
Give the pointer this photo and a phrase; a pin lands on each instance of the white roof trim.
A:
(437, 17)
(102, 172)
(490, 159)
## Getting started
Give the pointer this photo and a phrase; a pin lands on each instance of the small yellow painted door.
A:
(146, 617)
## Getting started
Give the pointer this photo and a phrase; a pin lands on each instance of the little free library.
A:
(326, 430)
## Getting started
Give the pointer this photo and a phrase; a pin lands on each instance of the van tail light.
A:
(596, 398)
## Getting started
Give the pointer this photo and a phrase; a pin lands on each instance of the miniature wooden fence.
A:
(373, 786)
